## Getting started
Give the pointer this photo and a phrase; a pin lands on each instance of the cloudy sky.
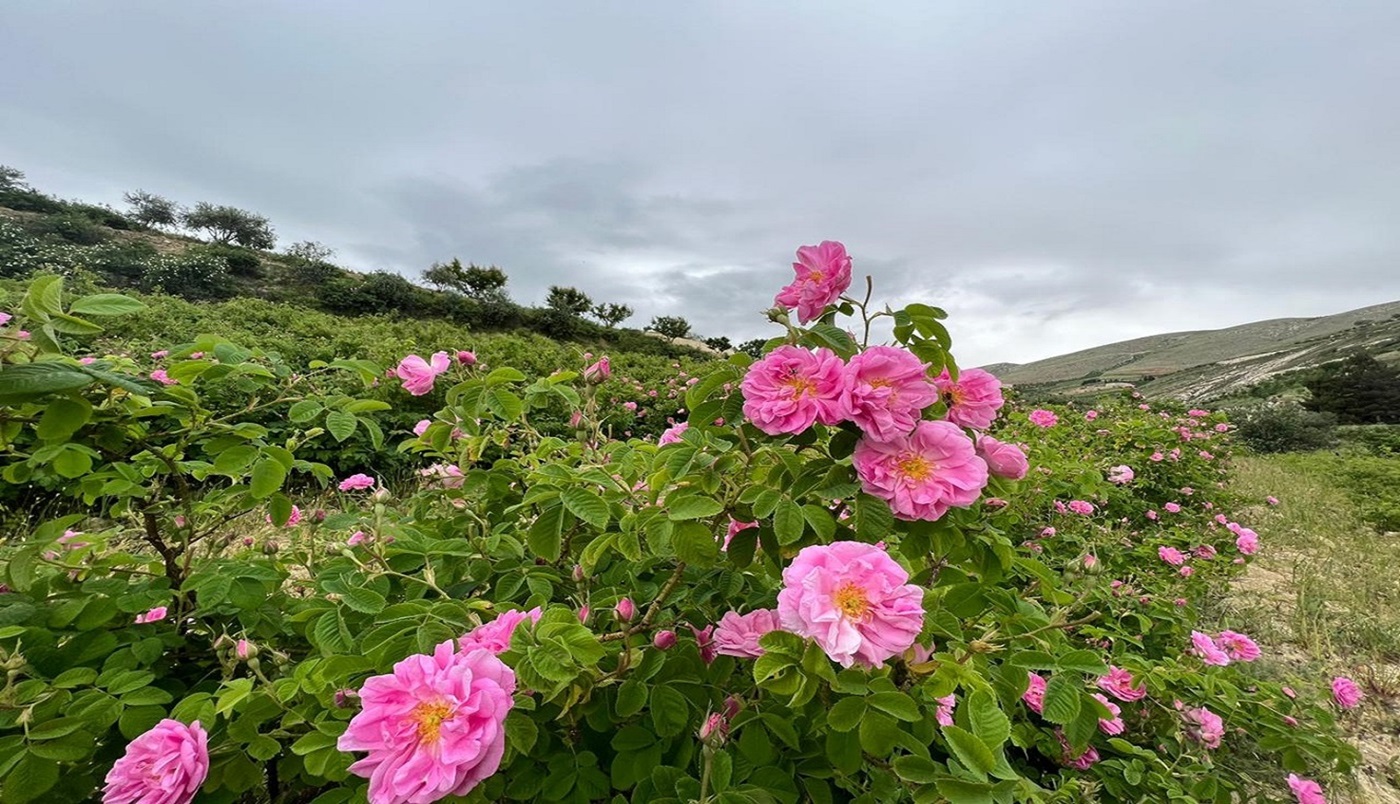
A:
(1056, 174)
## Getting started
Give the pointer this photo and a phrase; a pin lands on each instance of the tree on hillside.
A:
(568, 300)
(719, 344)
(671, 326)
(753, 348)
(152, 209)
(225, 224)
(610, 315)
(310, 251)
(1358, 390)
(12, 178)
(483, 284)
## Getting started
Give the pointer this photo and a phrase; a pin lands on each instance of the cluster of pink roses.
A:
(1226, 647)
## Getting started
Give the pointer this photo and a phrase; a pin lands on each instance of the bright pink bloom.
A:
(1080, 761)
(625, 610)
(422, 426)
(923, 474)
(1204, 726)
(357, 538)
(434, 727)
(466, 358)
(1119, 683)
(1091, 415)
(1034, 696)
(1346, 693)
(1203, 646)
(599, 371)
(1044, 418)
(885, 390)
(672, 434)
(165, 765)
(705, 642)
(1171, 555)
(1238, 647)
(1247, 541)
(823, 274)
(23, 335)
(1081, 507)
(1172, 508)
(664, 639)
(1003, 460)
(791, 388)
(1271, 500)
(495, 635)
(1186, 572)
(853, 600)
(356, 482)
(243, 649)
(418, 375)
(161, 377)
(738, 634)
(155, 615)
(944, 713)
(5, 319)
(1121, 475)
(734, 527)
(1114, 724)
(1306, 790)
(973, 400)
(1205, 551)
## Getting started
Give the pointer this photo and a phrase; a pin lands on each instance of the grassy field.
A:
(1324, 595)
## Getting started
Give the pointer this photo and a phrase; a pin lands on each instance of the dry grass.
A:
(1324, 598)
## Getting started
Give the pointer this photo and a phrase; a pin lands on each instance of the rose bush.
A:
(840, 593)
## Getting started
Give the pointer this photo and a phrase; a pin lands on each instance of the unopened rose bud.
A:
(247, 541)
(664, 640)
(245, 650)
(344, 699)
(578, 573)
(319, 515)
(466, 358)
(626, 609)
(271, 547)
(715, 730)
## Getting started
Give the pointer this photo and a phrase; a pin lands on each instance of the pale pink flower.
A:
(1121, 475)
(1081, 507)
(1197, 413)
(1205, 552)
(418, 375)
(923, 474)
(155, 615)
(738, 634)
(357, 538)
(1003, 460)
(1204, 726)
(5, 318)
(1346, 693)
(1034, 696)
(791, 388)
(672, 435)
(356, 482)
(1203, 646)
(705, 643)
(1306, 790)
(161, 377)
(1171, 555)
(853, 600)
(1186, 572)
(157, 355)
(87, 361)
(165, 765)
(1222, 428)
(243, 649)
(1119, 683)
(1238, 647)
(444, 475)
(734, 527)
(1172, 508)
(1044, 418)
(599, 371)
(885, 390)
(1091, 415)
(23, 335)
(495, 635)
(944, 713)
(576, 418)
(1271, 500)
(422, 426)
(434, 727)
(1080, 761)
(823, 274)
(973, 400)
(1247, 541)
(1114, 724)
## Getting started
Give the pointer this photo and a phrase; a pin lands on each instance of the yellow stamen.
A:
(429, 716)
(916, 468)
(851, 600)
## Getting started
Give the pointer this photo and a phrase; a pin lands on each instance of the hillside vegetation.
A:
(1213, 364)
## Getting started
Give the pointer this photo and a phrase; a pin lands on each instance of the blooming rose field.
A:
(848, 572)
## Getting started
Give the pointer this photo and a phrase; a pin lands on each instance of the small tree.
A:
(482, 284)
(12, 178)
(610, 315)
(225, 224)
(1358, 390)
(671, 326)
(310, 251)
(568, 300)
(152, 209)
(719, 344)
(753, 348)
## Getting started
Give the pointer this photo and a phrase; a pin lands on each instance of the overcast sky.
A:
(1056, 174)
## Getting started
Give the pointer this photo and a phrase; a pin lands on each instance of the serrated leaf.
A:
(341, 424)
(1061, 699)
(970, 751)
(106, 304)
(587, 506)
(989, 723)
(846, 714)
(670, 711)
(692, 506)
(363, 599)
(268, 476)
(37, 379)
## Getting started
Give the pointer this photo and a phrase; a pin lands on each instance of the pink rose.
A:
(923, 474)
(165, 765)
(1346, 693)
(823, 274)
(738, 634)
(1003, 460)
(418, 375)
(885, 390)
(973, 400)
(791, 388)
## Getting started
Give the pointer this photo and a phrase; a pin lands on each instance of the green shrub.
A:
(1286, 427)
(70, 227)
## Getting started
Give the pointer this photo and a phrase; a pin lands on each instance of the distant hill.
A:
(1214, 363)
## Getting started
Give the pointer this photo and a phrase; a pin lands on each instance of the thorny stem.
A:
(652, 610)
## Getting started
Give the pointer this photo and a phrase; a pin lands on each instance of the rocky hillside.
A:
(1208, 364)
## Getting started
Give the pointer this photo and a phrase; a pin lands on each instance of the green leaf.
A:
(587, 506)
(363, 599)
(1061, 699)
(44, 297)
(545, 537)
(341, 424)
(72, 325)
(692, 506)
(695, 544)
(916, 769)
(72, 462)
(631, 698)
(36, 379)
(873, 518)
(670, 711)
(878, 734)
(29, 779)
(62, 418)
(788, 522)
(958, 791)
(304, 411)
(268, 476)
(897, 704)
(106, 304)
(846, 714)
(970, 751)
(1082, 661)
(53, 729)
(131, 384)
(989, 723)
